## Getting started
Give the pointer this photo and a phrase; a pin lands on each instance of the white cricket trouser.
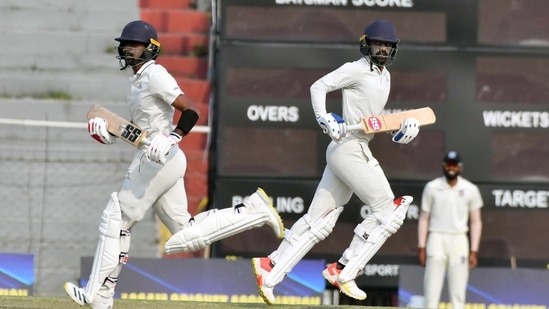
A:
(446, 253)
(351, 168)
(149, 184)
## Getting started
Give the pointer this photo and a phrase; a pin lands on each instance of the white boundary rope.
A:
(68, 124)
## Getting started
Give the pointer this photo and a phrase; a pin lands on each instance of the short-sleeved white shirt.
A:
(449, 207)
(150, 96)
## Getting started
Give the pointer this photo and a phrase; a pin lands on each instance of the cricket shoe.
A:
(261, 202)
(262, 267)
(349, 288)
(78, 295)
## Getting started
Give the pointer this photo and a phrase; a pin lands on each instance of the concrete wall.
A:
(63, 45)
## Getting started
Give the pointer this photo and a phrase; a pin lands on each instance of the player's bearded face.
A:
(133, 53)
(452, 170)
(380, 51)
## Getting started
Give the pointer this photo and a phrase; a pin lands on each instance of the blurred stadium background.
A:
(460, 58)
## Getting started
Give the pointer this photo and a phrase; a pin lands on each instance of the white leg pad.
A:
(390, 222)
(107, 289)
(211, 226)
(108, 252)
(299, 245)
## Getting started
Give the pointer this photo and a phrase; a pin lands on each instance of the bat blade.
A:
(119, 126)
(391, 122)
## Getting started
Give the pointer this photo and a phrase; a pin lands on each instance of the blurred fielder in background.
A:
(351, 168)
(448, 203)
(155, 175)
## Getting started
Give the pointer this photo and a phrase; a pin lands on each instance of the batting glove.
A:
(160, 147)
(409, 128)
(333, 125)
(97, 127)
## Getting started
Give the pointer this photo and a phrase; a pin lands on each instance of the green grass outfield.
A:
(35, 302)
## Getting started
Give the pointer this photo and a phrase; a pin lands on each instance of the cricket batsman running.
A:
(155, 175)
(351, 168)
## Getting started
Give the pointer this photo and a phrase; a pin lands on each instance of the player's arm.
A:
(475, 231)
(189, 114)
(422, 231)
(340, 78)
(331, 123)
(161, 145)
(423, 225)
(165, 87)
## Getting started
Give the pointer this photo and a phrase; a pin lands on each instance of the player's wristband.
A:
(187, 120)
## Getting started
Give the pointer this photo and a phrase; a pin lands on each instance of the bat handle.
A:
(146, 141)
(354, 127)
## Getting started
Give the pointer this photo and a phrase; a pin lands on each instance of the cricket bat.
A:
(119, 126)
(391, 122)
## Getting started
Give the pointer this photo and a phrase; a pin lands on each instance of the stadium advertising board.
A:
(210, 280)
(16, 274)
(488, 288)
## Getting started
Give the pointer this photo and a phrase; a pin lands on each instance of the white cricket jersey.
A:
(150, 96)
(449, 207)
(364, 88)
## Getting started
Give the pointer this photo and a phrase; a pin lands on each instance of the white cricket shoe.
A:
(261, 267)
(78, 295)
(259, 201)
(349, 288)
